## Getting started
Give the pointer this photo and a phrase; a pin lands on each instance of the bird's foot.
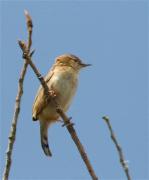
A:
(68, 123)
(52, 93)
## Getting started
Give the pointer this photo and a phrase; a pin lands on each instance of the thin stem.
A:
(118, 147)
(12, 135)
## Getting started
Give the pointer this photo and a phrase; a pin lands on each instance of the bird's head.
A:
(71, 61)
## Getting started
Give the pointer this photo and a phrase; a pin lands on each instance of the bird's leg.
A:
(65, 124)
(68, 123)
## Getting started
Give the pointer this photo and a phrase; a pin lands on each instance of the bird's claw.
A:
(52, 93)
(68, 123)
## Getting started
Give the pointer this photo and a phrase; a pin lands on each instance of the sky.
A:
(112, 36)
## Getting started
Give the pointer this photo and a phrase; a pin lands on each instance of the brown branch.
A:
(13, 129)
(118, 147)
(66, 120)
(12, 135)
(76, 140)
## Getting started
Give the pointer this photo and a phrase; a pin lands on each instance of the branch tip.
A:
(26, 12)
(28, 19)
(22, 44)
(106, 118)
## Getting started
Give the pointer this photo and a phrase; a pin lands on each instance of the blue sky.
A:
(113, 37)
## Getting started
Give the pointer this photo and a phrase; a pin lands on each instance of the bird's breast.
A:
(64, 84)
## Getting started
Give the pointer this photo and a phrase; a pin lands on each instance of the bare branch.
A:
(66, 120)
(12, 135)
(76, 140)
(118, 147)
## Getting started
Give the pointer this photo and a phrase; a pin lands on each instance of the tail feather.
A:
(44, 138)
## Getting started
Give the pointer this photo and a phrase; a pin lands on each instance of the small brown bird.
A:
(62, 79)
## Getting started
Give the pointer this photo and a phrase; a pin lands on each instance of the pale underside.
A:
(63, 82)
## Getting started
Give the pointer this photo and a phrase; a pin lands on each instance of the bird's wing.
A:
(40, 100)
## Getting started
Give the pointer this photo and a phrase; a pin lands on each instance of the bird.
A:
(62, 81)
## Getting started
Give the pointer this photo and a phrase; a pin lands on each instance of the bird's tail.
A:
(44, 138)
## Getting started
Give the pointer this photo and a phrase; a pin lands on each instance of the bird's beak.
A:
(85, 65)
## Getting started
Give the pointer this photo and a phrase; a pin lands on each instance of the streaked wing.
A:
(40, 100)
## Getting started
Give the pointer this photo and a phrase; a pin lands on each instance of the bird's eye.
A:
(58, 60)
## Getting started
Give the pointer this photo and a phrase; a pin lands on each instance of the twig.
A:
(66, 120)
(13, 129)
(12, 135)
(79, 145)
(29, 24)
(118, 147)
